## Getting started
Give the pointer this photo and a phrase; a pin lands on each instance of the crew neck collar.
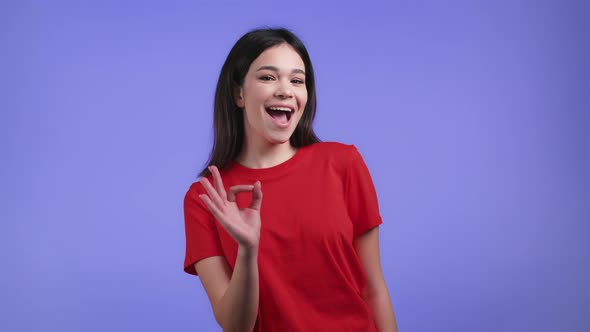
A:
(268, 173)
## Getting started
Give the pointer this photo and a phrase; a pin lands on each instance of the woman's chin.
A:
(278, 139)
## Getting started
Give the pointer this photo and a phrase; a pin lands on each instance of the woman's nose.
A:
(284, 90)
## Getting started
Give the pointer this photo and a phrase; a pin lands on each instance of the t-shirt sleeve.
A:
(202, 238)
(363, 207)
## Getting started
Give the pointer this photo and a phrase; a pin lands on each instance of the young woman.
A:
(306, 256)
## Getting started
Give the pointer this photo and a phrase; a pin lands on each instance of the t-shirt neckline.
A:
(267, 173)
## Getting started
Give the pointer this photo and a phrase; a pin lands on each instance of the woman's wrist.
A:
(247, 252)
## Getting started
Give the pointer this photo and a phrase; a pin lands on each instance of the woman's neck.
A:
(265, 155)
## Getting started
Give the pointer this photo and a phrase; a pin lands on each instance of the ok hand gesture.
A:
(242, 224)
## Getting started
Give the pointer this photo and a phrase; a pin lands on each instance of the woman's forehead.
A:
(279, 58)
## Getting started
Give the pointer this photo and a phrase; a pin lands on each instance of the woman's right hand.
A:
(242, 224)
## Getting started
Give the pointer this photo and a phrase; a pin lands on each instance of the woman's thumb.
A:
(256, 196)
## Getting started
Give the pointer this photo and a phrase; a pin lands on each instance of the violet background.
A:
(472, 116)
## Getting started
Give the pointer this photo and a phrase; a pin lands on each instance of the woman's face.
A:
(273, 95)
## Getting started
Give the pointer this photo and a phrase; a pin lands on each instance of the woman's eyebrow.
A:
(275, 69)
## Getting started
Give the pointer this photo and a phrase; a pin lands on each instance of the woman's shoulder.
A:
(194, 190)
(332, 148)
(333, 153)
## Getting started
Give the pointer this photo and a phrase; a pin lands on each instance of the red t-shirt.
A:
(314, 205)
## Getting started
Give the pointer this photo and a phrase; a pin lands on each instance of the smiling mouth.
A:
(282, 114)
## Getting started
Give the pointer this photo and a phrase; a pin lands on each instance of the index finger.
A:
(218, 182)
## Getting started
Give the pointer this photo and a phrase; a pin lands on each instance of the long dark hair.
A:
(228, 121)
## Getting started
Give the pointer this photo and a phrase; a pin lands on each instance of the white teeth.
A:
(283, 109)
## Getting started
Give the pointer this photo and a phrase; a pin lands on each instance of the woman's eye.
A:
(267, 78)
(297, 81)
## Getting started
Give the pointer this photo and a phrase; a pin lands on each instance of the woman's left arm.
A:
(375, 293)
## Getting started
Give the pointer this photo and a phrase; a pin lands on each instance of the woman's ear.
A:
(238, 97)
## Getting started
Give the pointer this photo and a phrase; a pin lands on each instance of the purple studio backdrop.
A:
(472, 117)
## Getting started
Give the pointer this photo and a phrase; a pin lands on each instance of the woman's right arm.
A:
(234, 296)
